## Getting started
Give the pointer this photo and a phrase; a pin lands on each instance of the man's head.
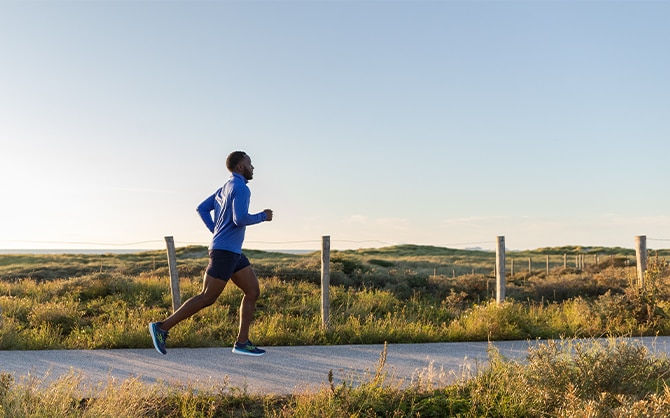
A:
(239, 162)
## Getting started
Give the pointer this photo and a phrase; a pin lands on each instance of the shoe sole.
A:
(247, 353)
(153, 338)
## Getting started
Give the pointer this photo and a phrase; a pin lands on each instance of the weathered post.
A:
(500, 270)
(174, 276)
(641, 254)
(325, 281)
(547, 264)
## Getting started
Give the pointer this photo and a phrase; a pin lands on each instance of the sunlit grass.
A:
(559, 378)
(392, 294)
(113, 312)
(396, 295)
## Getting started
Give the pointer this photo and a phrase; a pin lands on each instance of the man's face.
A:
(247, 168)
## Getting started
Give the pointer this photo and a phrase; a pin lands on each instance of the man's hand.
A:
(268, 214)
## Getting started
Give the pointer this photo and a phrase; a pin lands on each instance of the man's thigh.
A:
(246, 280)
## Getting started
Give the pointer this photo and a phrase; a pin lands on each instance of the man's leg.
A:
(211, 289)
(246, 280)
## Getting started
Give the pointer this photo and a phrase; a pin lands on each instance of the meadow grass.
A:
(405, 294)
(380, 295)
(560, 378)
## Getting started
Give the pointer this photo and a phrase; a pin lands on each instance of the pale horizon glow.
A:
(444, 123)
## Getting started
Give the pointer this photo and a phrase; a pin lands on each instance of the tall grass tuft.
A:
(610, 377)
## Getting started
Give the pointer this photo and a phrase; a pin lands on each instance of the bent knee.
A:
(254, 293)
(207, 300)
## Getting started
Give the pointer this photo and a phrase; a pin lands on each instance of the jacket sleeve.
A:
(205, 211)
(241, 215)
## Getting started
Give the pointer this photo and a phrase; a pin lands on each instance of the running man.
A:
(230, 209)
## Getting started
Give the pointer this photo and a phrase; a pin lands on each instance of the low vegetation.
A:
(396, 295)
(589, 378)
(404, 294)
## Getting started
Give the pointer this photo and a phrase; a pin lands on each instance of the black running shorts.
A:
(223, 264)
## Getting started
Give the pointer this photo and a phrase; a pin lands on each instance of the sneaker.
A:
(248, 349)
(158, 336)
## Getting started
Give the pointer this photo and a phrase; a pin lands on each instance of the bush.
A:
(564, 378)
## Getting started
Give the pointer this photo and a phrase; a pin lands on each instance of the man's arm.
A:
(205, 211)
(241, 215)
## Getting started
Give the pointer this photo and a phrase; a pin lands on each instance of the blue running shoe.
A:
(158, 336)
(248, 349)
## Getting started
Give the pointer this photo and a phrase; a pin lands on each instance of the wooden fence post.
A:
(174, 276)
(641, 254)
(325, 281)
(500, 270)
(547, 264)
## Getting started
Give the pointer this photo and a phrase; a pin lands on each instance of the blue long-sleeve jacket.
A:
(230, 204)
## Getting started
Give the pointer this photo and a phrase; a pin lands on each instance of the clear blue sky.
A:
(441, 123)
